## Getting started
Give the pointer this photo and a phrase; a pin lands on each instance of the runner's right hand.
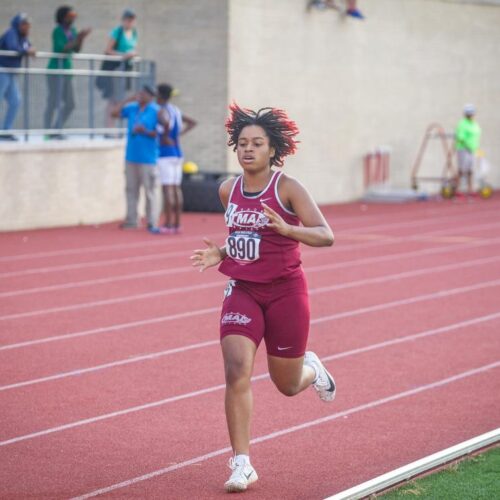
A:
(209, 257)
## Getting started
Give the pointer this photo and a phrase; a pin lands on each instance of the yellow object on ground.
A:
(190, 167)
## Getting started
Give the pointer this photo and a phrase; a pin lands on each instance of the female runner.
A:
(267, 213)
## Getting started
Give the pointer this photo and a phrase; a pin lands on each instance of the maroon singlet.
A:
(256, 253)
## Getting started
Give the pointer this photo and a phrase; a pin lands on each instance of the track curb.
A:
(418, 467)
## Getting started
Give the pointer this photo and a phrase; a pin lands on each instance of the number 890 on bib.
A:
(243, 246)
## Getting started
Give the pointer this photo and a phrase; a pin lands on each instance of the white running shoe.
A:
(324, 384)
(242, 476)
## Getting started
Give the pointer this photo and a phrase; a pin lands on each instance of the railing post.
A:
(91, 98)
(152, 65)
(26, 93)
(59, 91)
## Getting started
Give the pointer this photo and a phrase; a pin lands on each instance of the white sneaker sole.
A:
(235, 487)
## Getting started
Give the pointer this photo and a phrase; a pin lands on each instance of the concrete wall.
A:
(187, 39)
(61, 184)
(65, 184)
(352, 86)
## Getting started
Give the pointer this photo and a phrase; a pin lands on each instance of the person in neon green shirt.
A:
(65, 39)
(467, 136)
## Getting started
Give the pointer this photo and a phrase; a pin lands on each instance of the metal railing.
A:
(60, 102)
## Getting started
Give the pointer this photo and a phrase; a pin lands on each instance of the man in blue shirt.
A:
(143, 116)
(15, 39)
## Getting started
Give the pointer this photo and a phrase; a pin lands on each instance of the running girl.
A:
(267, 213)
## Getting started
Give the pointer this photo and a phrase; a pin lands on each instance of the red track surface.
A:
(111, 378)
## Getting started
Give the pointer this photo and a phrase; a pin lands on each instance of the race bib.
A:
(243, 246)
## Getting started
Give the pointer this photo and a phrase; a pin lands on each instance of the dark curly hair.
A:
(275, 122)
(62, 12)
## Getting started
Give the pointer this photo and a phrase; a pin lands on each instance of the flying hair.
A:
(275, 122)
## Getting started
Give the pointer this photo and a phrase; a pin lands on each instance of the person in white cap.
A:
(467, 136)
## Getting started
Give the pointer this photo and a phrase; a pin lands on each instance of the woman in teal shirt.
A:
(65, 40)
(122, 42)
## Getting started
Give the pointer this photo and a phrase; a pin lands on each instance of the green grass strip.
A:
(475, 478)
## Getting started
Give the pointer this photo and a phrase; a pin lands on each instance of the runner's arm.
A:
(314, 231)
(213, 254)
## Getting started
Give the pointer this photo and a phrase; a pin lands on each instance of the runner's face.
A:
(253, 150)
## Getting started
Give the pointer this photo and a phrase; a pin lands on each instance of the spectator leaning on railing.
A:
(65, 40)
(15, 39)
(122, 42)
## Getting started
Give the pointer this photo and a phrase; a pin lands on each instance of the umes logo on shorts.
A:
(232, 318)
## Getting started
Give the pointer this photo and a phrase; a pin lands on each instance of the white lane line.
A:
(407, 274)
(126, 361)
(415, 336)
(117, 300)
(100, 248)
(409, 300)
(423, 222)
(118, 413)
(178, 270)
(160, 319)
(255, 378)
(157, 256)
(155, 355)
(430, 236)
(112, 328)
(94, 263)
(182, 239)
(295, 428)
(379, 241)
(98, 281)
(448, 248)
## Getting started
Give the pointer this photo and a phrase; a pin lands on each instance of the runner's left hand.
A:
(276, 222)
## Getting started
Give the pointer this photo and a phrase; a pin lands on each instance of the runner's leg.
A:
(239, 355)
(290, 375)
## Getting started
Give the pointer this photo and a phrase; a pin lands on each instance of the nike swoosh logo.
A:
(265, 199)
(249, 475)
(284, 348)
(332, 385)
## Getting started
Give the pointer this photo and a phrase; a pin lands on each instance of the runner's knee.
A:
(287, 388)
(237, 372)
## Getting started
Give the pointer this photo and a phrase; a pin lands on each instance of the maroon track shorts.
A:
(277, 312)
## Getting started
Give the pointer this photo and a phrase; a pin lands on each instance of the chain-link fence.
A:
(75, 101)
